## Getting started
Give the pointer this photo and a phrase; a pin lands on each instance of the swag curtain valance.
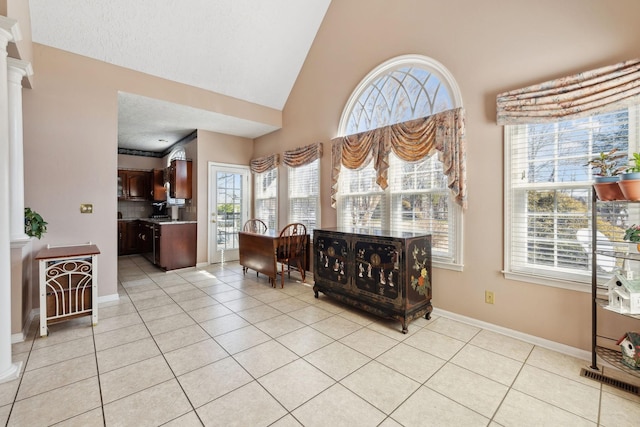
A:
(583, 94)
(264, 164)
(303, 155)
(411, 141)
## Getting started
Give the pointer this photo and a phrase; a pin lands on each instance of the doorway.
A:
(229, 196)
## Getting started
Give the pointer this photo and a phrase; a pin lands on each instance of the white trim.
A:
(246, 171)
(21, 336)
(203, 264)
(531, 339)
(108, 298)
(12, 27)
(447, 265)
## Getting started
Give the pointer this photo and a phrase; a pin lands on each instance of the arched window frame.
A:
(454, 260)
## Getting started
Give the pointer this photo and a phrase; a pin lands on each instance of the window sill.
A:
(548, 281)
(447, 265)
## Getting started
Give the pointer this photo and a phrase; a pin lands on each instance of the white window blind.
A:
(361, 202)
(420, 203)
(304, 196)
(266, 197)
(548, 193)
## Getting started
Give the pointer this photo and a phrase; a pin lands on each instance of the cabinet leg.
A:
(315, 291)
(404, 328)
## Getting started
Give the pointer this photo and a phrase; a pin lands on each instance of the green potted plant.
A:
(630, 179)
(607, 174)
(34, 224)
(632, 234)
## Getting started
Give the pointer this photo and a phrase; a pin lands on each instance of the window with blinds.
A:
(548, 193)
(417, 198)
(361, 202)
(304, 196)
(266, 197)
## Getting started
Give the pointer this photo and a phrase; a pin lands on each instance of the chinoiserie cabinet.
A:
(382, 272)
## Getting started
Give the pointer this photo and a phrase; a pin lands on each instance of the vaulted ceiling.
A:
(252, 50)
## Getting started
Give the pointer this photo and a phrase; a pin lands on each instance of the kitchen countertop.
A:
(158, 221)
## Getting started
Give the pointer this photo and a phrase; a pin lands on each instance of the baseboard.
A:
(202, 264)
(21, 336)
(108, 298)
(531, 339)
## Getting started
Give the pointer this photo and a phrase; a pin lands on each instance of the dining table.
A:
(258, 252)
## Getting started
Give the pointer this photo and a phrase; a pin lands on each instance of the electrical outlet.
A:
(86, 208)
(488, 297)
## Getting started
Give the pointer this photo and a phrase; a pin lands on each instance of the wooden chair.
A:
(255, 226)
(291, 251)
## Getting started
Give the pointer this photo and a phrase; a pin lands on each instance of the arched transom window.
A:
(417, 198)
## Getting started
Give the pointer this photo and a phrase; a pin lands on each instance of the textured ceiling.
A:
(247, 49)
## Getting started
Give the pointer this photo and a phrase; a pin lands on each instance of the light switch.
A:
(86, 208)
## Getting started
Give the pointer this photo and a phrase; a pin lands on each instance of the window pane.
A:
(549, 202)
(304, 195)
(266, 197)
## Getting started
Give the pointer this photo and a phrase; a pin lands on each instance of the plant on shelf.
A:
(632, 234)
(607, 171)
(630, 179)
(636, 163)
(34, 224)
(606, 164)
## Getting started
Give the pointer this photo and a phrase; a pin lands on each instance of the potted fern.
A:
(630, 179)
(34, 224)
(607, 174)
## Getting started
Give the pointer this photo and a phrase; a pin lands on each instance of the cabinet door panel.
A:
(331, 259)
(377, 269)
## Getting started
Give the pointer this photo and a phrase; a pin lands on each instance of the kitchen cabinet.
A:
(382, 272)
(168, 244)
(180, 179)
(175, 245)
(128, 237)
(134, 185)
(159, 190)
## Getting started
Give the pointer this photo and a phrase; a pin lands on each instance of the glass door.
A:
(229, 195)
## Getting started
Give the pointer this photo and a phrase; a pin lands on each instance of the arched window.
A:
(177, 153)
(417, 198)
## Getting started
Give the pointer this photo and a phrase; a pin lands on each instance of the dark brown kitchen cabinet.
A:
(159, 190)
(134, 185)
(383, 272)
(128, 237)
(175, 245)
(180, 179)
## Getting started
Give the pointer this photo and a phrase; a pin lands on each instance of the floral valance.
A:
(264, 164)
(583, 94)
(411, 141)
(303, 155)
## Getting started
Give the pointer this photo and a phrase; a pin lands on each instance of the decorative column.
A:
(16, 71)
(8, 369)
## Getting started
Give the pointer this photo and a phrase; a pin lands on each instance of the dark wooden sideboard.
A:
(382, 272)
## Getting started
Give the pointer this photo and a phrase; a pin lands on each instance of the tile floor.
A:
(213, 347)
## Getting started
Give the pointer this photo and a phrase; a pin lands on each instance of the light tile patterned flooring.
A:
(213, 347)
